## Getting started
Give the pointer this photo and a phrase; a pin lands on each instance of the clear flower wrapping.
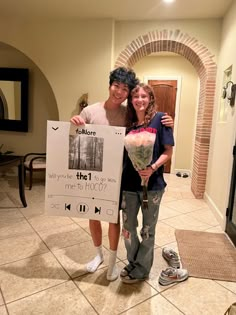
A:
(139, 145)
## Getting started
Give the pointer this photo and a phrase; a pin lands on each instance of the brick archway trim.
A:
(200, 57)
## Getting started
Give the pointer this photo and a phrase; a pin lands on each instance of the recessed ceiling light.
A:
(168, 1)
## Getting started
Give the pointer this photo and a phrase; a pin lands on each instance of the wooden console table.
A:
(17, 160)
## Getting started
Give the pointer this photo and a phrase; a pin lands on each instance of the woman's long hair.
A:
(131, 117)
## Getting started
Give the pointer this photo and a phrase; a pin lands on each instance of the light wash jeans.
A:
(140, 253)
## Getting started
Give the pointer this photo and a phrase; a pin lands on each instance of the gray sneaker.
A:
(171, 257)
(172, 275)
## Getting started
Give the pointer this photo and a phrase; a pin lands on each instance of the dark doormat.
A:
(207, 255)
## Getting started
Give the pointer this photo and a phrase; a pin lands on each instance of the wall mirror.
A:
(14, 99)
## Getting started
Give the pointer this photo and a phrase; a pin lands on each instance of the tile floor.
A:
(42, 261)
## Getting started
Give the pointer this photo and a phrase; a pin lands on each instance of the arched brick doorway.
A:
(200, 57)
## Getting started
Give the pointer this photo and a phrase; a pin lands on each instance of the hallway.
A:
(42, 261)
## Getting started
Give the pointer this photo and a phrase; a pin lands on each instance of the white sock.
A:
(93, 265)
(112, 272)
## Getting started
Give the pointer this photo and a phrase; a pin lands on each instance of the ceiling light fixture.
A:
(168, 1)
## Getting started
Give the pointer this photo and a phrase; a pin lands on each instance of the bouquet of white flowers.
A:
(139, 145)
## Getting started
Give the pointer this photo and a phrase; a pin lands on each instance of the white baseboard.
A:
(221, 218)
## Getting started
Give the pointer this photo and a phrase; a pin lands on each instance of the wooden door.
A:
(165, 94)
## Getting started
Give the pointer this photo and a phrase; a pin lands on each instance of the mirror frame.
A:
(21, 75)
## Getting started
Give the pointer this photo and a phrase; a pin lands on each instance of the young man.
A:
(113, 113)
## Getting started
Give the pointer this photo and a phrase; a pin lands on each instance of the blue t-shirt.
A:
(131, 180)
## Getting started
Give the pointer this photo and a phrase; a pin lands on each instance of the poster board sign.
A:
(83, 170)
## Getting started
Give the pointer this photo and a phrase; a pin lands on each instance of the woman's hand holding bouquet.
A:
(146, 173)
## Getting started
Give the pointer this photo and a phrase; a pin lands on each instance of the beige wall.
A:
(177, 66)
(42, 106)
(66, 59)
(75, 56)
(223, 133)
(206, 31)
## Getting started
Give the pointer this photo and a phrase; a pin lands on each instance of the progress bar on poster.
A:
(93, 198)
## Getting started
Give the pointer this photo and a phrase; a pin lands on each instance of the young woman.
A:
(142, 113)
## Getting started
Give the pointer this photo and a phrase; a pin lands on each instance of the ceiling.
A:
(116, 9)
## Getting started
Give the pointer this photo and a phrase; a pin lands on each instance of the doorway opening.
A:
(202, 60)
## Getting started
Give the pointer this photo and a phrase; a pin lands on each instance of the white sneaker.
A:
(172, 275)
